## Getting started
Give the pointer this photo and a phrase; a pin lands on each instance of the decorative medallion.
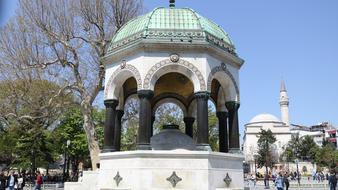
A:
(174, 179)
(227, 180)
(174, 58)
(118, 179)
(123, 64)
(224, 66)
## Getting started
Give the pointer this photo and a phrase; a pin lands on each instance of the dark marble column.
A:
(189, 121)
(202, 120)
(109, 125)
(233, 126)
(152, 125)
(223, 131)
(117, 137)
(144, 130)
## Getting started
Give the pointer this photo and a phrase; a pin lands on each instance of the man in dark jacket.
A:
(2, 181)
(11, 181)
(333, 180)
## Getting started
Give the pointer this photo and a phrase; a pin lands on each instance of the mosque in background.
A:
(283, 130)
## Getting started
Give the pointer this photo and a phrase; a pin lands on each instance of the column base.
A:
(235, 151)
(203, 147)
(144, 146)
(108, 149)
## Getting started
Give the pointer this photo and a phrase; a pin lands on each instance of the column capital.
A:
(202, 95)
(222, 114)
(232, 105)
(148, 94)
(111, 103)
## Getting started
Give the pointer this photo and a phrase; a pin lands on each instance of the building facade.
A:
(283, 131)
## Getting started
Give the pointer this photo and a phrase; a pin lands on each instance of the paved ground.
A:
(304, 185)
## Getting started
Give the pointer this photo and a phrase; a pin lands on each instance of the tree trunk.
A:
(89, 128)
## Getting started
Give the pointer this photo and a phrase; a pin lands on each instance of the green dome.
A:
(171, 25)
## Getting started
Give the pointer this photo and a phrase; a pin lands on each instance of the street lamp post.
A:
(298, 178)
(65, 161)
(266, 178)
(255, 158)
(33, 164)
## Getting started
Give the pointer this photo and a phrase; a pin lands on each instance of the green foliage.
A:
(26, 147)
(302, 148)
(168, 114)
(130, 121)
(308, 148)
(7, 145)
(28, 107)
(213, 129)
(327, 156)
(288, 155)
(71, 129)
(266, 155)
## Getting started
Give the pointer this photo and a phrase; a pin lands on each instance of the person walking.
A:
(286, 181)
(11, 181)
(39, 181)
(21, 182)
(2, 181)
(333, 180)
(279, 182)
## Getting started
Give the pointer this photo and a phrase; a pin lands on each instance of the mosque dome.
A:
(171, 25)
(264, 118)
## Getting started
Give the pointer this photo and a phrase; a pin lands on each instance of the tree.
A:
(66, 39)
(7, 146)
(288, 155)
(308, 148)
(265, 152)
(303, 148)
(213, 129)
(295, 144)
(327, 156)
(168, 113)
(70, 128)
(28, 108)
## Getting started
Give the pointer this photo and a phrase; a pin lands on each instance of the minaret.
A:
(284, 104)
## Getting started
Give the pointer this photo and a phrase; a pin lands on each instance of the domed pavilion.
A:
(173, 55)
(170, 55)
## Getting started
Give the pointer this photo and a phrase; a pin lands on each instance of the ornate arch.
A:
(172, 100)
(123, 68)
(222, 68)
(168, 62)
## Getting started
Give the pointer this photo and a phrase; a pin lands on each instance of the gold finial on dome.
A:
(171, 3)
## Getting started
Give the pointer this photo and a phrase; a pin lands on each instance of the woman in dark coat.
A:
(2, 181)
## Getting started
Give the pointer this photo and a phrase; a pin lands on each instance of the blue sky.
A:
(292, 40)
(279, 39)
